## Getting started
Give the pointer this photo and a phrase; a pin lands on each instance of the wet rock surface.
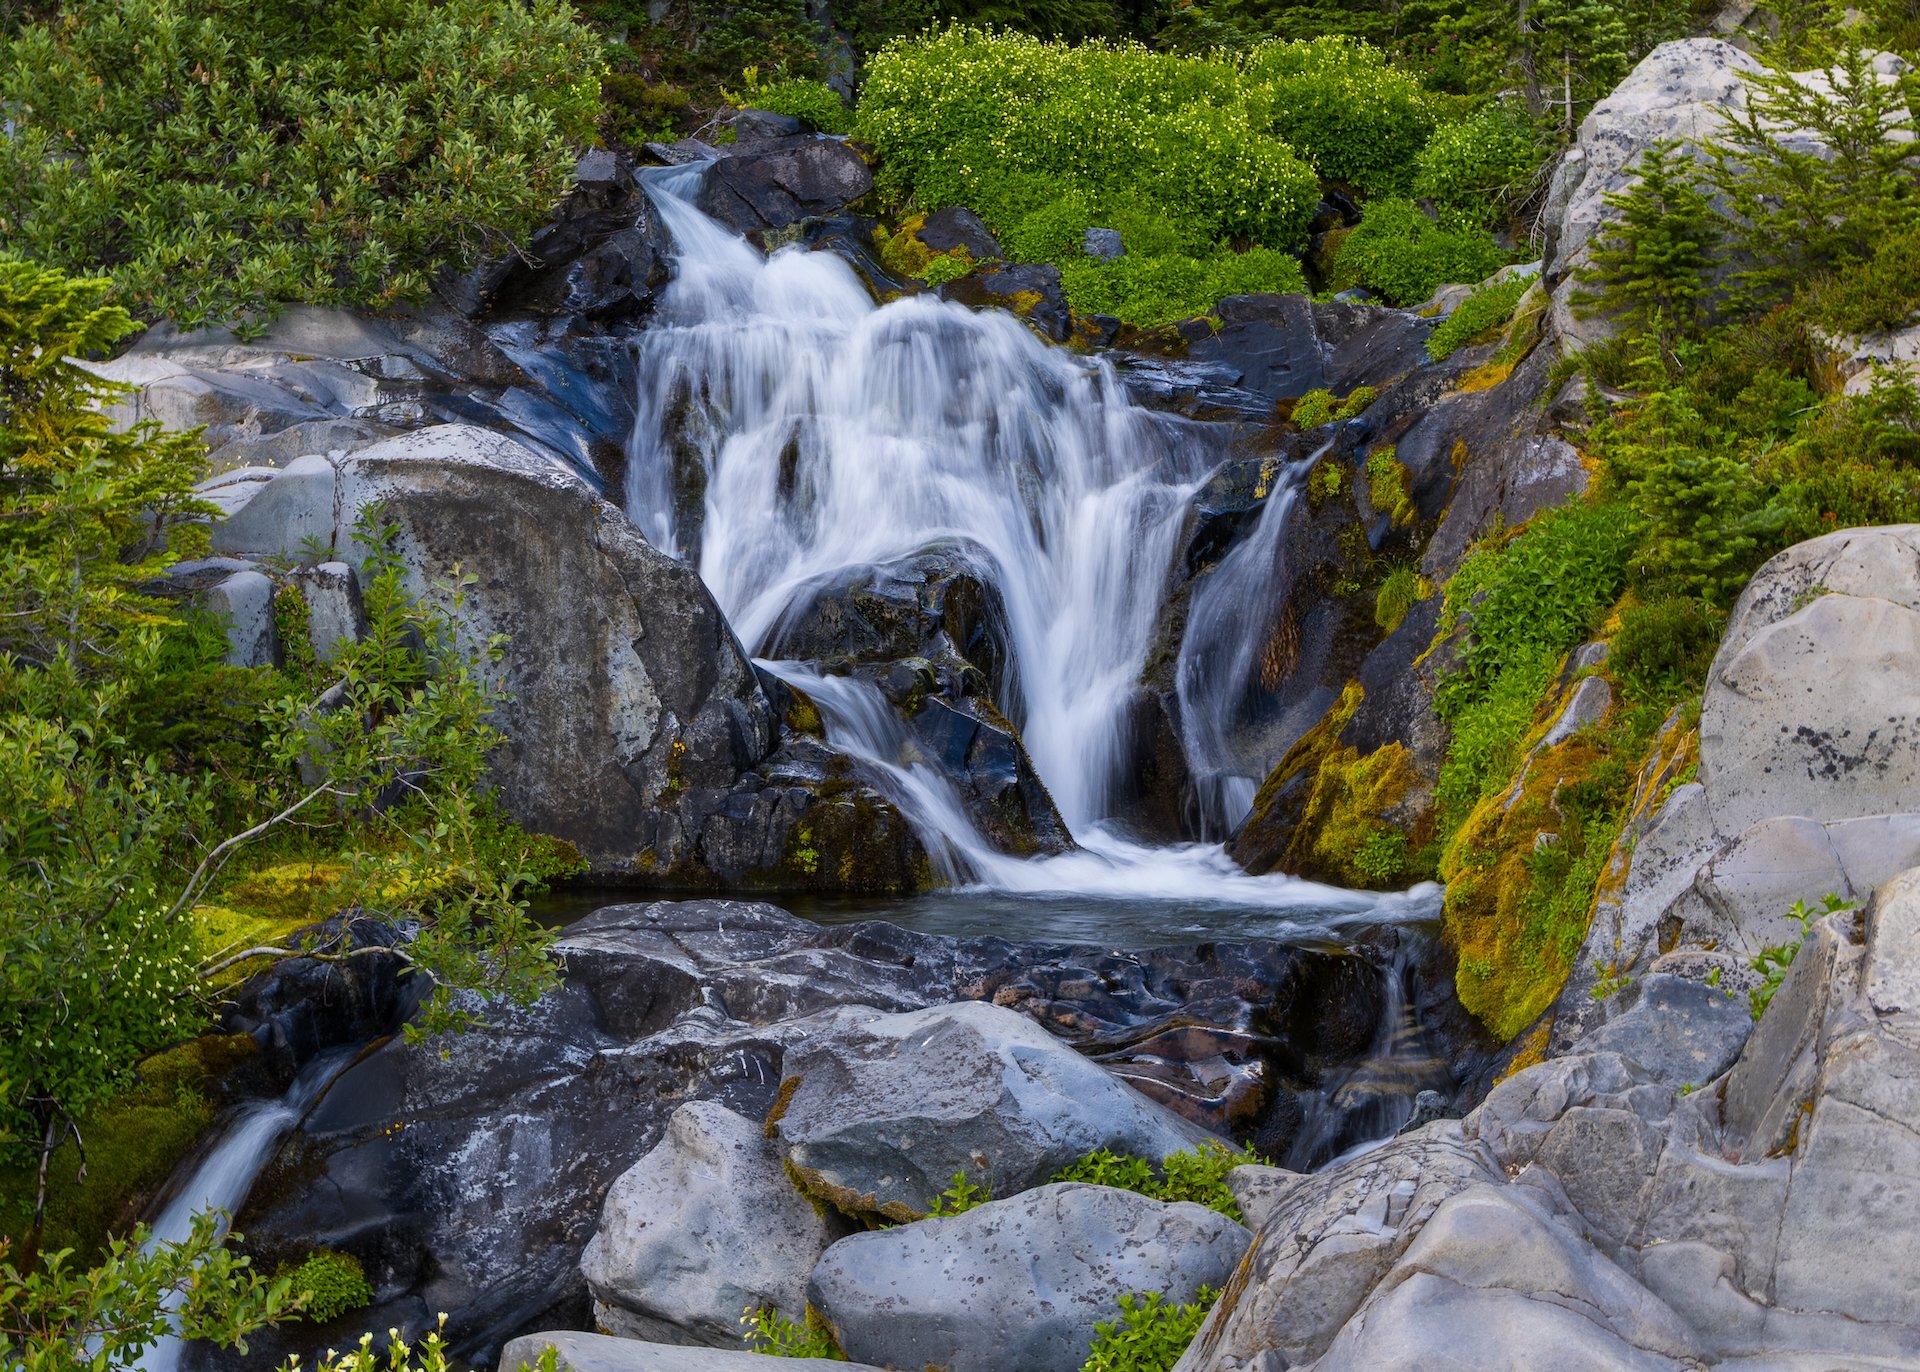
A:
(471, 1183)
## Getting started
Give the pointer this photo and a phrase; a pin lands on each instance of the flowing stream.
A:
(824, 434)
(222, 1176)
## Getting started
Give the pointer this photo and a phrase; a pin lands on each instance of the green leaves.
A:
(1405, 256)
(1776, 960)
(1480, 313)
(1151, 1333)
(1198, 1175)
(225, 156)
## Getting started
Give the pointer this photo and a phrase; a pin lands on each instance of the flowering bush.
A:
(1343, 108)
(1399, 252)
(1480, 165)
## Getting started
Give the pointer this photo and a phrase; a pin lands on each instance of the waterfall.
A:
(821, 434)
(224, 1175)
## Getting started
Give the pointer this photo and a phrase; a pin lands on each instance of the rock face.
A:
(1018, 1283)
(879, 1113)
(638, 730)
(1032, 292)
(1807, 779)
(1596, 1217)
(456, 1202)
(702, 1230)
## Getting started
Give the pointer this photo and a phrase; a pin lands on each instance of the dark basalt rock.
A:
(1031, 291)
(945, 230)
(469, 1181)
(768, 185)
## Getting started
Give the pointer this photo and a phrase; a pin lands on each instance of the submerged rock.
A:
(1017, 1283)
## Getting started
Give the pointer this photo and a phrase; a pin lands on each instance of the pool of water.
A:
(1102, 921)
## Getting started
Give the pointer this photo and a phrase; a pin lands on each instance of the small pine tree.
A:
(1653, 267)
(1816, 172)
(1573, 52)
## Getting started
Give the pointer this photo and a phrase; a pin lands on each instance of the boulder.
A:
(1329, 1238)
(878, 1115)
(1018, 1283)
(335, 616)
(1103, 245)
(1807, 775)
(769, 185)
(244, 600)
(701, 1231)
(471, 1183)
(599, 1353)
(955, 227)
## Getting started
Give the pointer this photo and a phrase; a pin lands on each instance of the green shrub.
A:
(1879, 295)
(1480, 166)
(814, 102)
(708, 43)
(1403, 589)
(1149, 291)
(329, 1284)
(1344, 108)
(1150, 1334)
(1776, 960)
(1198, 1175)
(639, 110)
(1002, 122)
(219, 157)
(1664, 647)
(1652, 264)
(1397, 251)
(1480, 313)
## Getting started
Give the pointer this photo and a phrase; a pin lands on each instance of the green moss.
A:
(1342, 833)
(133, 1142)
(1403, 589)
(1390, 485)
(328, 1285)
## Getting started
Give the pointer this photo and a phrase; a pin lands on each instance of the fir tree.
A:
(1653, 267)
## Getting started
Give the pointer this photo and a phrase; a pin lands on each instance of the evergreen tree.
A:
(1572, 52)
(1653, 266)
(1815, 173)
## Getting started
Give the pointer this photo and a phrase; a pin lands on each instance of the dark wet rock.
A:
(471, 1183)
(301, 1007)
(762, 186)
(1286, 345)
(1032, 292)
(954, 227)
(764, 124)
(602, 258)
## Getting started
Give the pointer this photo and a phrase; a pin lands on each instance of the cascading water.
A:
(1226, 636)
(220, 1180)
(825, 434)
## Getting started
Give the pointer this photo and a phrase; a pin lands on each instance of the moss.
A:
(133, 1143)
(782, 1100)
(1327, 480)
(1343, 833)
(863, 1206)
(1390, 486)
(1311, 748)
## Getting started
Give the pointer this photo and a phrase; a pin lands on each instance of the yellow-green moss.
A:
(1312, 747)
(1342, 833)
(1390, 485)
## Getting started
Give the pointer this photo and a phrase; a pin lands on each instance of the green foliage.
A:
(1653, 266)
(220, 157)
(1663, 648)
(1802, 206)
(1342, 107)
(1880, 295)
(1774, 961)
(771, 1333)
(1476, 317)
(1390, 485)
(1483, 745)
(424, 1355)
(959, 1198)
(814, 102)
(639, 110)
(707, 43)
(329, 1284)
(1150, 291)
(1539, 595)
(1478, 168)
(1320, 406)
(1397, 251)
(1151, 1333)
(1198, 1175)
(55, 1317)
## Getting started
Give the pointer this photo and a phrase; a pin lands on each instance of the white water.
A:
(221, 1180)
(834, 435)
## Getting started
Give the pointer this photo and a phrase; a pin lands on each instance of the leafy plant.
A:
(1663, 648)
(220, 157)
(328, 1285)
(1198, 1175)
(814, 102)
(1337, 102)
(960, 1197)
(1403, 589)
(1405, 256)
(771, 1333)
(1390, 485)
(1151, 1333)
(1776, 960)
(1479, 167)
(1478, 315)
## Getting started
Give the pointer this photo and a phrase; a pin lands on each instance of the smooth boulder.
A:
(599, 1353)
(1018, 1283)
(879, 1114)
(701, 1231)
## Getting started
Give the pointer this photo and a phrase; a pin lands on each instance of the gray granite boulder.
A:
(878, 1115)
(599, 1353)
(702, 1230)
(1017, 1283)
